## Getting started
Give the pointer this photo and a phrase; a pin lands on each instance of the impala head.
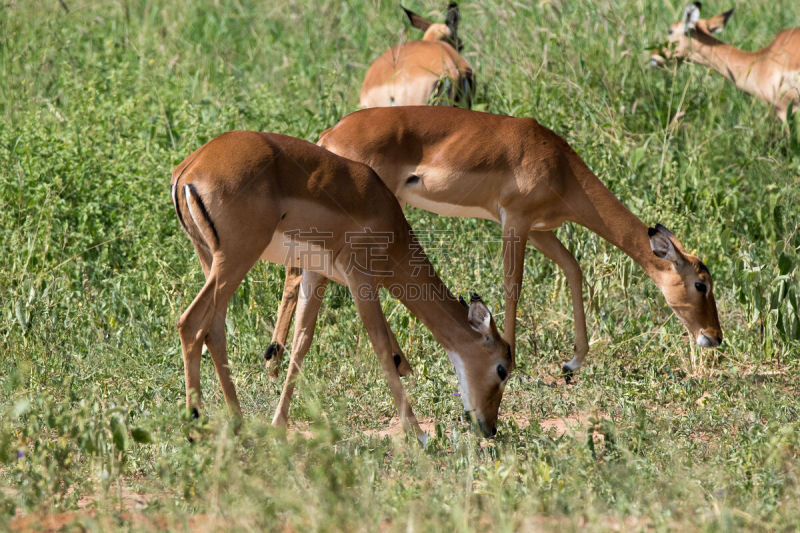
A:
(439, 32)
(688, 34)
(483, 366)
(688, 288)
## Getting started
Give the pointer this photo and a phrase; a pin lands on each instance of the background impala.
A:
(427, 71)
(771, 73)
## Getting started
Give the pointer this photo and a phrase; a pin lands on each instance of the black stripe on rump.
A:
(204, 212)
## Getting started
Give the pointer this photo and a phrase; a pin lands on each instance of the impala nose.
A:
(706, 341)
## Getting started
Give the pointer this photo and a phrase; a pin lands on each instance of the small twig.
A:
(64, 5)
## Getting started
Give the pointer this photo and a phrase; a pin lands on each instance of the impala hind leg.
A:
(312, 289)
(274, 352)
(515, 233)
(547, 243)
(204, 322)
(369, 309)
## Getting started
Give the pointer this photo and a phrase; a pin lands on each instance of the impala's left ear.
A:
(690, 16)
(717, 23)
(663, 246)
(479, 316)
(418, 21)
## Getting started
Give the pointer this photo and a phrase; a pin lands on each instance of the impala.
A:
(422, 72)
(246, 196)
(771, 74)
(516, 172)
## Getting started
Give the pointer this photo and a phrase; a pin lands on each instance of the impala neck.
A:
(429, 299)
(734, 64)
(598, 210)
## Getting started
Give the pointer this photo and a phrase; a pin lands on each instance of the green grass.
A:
(99, 104)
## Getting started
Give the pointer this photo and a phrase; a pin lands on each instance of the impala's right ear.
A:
(663, 247)
(690, 16)
(717, 23)
(419, 22)
(479, 316)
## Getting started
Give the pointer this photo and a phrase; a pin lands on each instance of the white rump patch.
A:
(187, 191)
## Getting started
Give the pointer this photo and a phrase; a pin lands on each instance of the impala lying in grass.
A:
(771, 74)
(516, 172)
(246, 196)
(429, 71)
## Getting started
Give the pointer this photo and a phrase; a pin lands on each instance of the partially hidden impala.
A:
(428, 71)
(514, 171)
(771, 73)
(246, 196)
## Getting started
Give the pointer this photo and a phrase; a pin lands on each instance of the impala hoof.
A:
(272, 350)
(567, 372)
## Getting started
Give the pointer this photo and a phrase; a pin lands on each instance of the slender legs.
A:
(547, 243)
(204, 322)
(369, 309)
(515, 233)
(312, 288)
(274, 352)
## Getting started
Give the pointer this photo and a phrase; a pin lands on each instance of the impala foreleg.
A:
(369, 309)
(547, 243)
(312, 289)
(400, 362)
(515, 238)
(274, 352)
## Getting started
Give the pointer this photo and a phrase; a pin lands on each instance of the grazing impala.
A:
(246, 196)
(772, 73)
(514, 171)
(422, 72)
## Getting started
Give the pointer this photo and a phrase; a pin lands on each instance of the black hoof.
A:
(567, 372)
(272, 350)
(397, 360)
(195, 413)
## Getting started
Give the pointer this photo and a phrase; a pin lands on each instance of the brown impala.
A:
(246, 196)
(516, 172)
(771, 74)
(422, 72)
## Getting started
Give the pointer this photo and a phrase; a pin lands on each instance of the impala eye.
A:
(502, 372)
(700, 287)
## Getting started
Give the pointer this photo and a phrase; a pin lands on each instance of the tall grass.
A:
(99, 103)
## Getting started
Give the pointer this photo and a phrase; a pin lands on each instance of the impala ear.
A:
(452, 18)
(419, 22)
(451, 21)
(479, 317)
(717, 23)
(690, 16)
(661, 242)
